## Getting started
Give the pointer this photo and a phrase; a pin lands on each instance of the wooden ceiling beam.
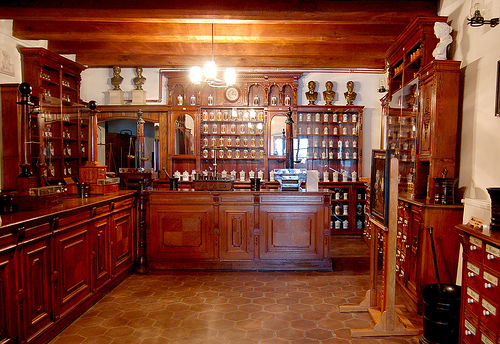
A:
(272, 62)
(156, 32)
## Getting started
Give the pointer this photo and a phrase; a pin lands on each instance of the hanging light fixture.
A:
(210, 72)
(477, 18)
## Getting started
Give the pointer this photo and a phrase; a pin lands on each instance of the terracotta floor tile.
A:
(236, 307)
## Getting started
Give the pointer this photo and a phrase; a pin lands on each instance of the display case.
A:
(58, 127)
(330, 140)
(233, 140)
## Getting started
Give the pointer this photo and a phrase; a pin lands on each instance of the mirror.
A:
(278, 141)
(184, 135)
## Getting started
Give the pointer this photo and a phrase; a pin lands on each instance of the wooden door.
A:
(122, 243)
(72, 252)
(100, 253)
(37, 295)
(236, 234)
(8, 310)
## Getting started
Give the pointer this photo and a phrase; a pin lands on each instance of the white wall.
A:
(479, 50)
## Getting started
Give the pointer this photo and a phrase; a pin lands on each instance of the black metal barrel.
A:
(441, 313)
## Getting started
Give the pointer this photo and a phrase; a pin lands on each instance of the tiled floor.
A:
(241, 307)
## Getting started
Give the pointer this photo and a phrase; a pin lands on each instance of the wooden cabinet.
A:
(348, 207)
(58, 129)
(420, 112)
(54, 265)
(329, 138)
(480, 303)
(414, 261)
(8, 308)
(241, 229)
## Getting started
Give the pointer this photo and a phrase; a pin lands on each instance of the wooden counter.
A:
(239, 229)
(56, 263)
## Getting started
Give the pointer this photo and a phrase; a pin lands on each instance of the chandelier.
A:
(210, 72)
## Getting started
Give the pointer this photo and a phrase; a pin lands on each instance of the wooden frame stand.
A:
(388, 318)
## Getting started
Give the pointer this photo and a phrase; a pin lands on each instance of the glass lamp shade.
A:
(230, 76)
(195, 74)
(210, 70)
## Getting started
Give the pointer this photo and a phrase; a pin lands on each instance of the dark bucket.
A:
(441, 313)
(174, 184)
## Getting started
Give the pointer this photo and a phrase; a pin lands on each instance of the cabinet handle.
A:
(470, 300)
(468, 333)
(471, 274)
(488, 285)
(473, 247)
(490, 257)
(486, 313)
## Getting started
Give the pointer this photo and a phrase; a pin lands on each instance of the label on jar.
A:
(493, 250)
(488, 306)
(485, 339)
(490, 278)
(475, 241)
(473, 268)
(470, 327)
(473, 294)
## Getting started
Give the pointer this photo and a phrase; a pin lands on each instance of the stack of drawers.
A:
(480, 292)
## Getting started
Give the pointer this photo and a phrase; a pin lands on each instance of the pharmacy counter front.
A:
(240, 229)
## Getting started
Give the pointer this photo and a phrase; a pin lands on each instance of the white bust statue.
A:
(442, 31)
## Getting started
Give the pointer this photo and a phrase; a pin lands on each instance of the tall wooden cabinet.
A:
(58, 127)
(54, 266)
(420, 128)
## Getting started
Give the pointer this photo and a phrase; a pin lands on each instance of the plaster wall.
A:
(479, 50)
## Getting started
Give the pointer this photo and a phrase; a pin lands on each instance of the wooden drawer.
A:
(490, 285)
(489, 315)
(473, 275)
(486, 337)
(476, 248)
(492, 257)
(472, 300)
(470, 328)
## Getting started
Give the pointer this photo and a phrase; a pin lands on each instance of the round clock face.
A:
(232, 94)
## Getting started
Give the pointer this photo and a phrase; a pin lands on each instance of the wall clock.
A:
(232, 94)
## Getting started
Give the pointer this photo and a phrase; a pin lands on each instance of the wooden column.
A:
(289, 139)
(141, 159)
(142, 261)
(93, 135)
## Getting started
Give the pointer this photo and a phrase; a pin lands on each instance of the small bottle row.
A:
(233, 129)
(328, 117)
(231, 142)
(331, 144)
(233, 154)
(326, 131)
(232, 115)
(338, 224)
(332, 155)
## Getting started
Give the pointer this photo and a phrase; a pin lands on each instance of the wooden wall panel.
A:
(73, 267)
(236, 232)
(8, 312)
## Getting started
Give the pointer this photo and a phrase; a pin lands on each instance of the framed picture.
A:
(380, 186)
(497, 104)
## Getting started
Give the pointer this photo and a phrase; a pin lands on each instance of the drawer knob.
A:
(488, 285)
(468, 333)
(486, 313)
(471, 274)
(490, 256)
(473, 247)
(470, 300)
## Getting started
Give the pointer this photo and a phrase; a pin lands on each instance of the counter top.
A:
(422, 202)
(68, 203)
(243, 191)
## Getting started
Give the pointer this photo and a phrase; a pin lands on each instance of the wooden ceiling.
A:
(248, 35)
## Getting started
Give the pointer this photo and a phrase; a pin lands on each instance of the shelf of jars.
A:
(233, 140)
(329, 139)
(348, 207)
(400, 122)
